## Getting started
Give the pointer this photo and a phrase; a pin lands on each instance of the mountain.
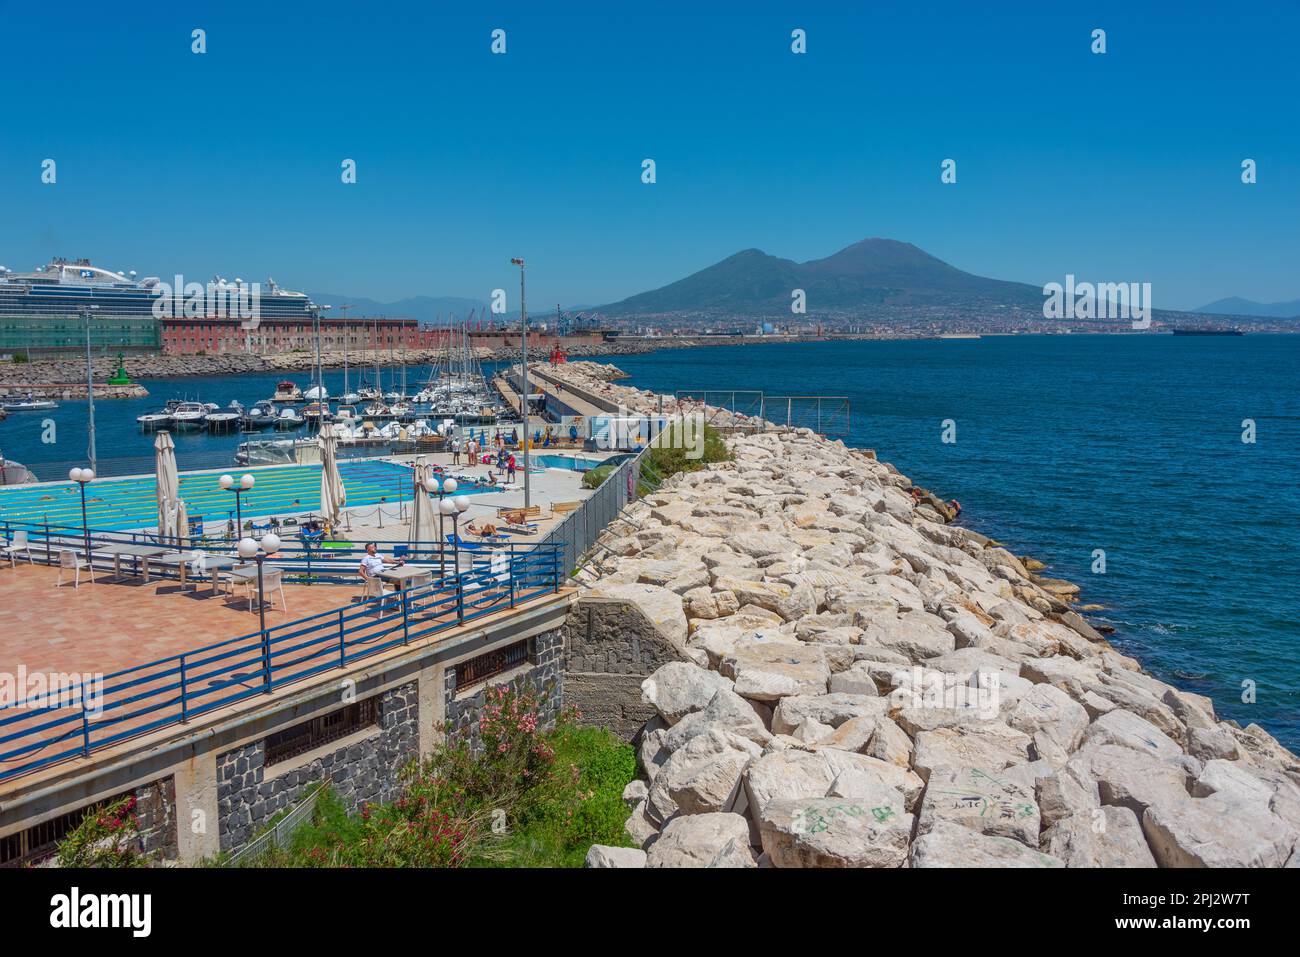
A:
(1236, 306)
(868, 275)
(427, 309)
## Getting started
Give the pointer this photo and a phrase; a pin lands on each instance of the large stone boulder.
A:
(948, 844)
(679, 687)
(772, 670)
(603, 855)
(870, 830)
(703, 840)
(1050, 710)
(1102, 837)
(1129, 778)
(986, 801)
(1217, 831)
(989, 745)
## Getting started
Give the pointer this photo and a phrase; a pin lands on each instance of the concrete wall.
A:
(610, 648)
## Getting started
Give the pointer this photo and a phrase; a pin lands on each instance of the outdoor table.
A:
(182, 562)
(247, 572)
(138, 553)
(399, 574)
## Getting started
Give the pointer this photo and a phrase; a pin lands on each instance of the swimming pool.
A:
(571, 462)
(115, 504)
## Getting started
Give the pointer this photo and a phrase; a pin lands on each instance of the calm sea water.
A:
(1069, 444)
(1065, 445)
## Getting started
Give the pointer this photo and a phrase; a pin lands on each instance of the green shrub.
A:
(108, 836)
(596, 476)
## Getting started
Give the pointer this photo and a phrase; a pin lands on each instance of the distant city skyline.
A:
(1117, 167)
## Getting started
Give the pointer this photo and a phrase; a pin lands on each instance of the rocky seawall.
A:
(855, 682)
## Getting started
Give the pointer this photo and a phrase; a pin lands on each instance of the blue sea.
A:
(1069, 444)
(1064, 445)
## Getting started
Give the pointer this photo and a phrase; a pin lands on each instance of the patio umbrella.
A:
(422, 510)
(333, 496)
(181, 517)
(168, 483)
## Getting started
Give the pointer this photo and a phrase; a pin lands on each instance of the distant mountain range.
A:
(1236, 306)
(866, 276)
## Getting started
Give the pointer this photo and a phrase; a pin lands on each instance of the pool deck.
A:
(119, 623)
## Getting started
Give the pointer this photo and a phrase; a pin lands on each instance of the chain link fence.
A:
(578, 532)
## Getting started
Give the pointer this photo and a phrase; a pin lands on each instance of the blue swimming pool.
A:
(571, 462)
(115, 504)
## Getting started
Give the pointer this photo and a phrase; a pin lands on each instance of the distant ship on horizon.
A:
(1222, 331)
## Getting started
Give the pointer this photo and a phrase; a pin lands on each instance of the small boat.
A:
(317, 393)
(28, 404)
(350, 398)
(288, 419)
(314, 413)
(263, 415)
(15, 473)
(227, 420)
(287, 391)
(346, 415)
(189, 415)
(154, 420)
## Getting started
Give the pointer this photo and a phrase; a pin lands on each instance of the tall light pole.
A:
(82, 477)
(442, 487)
(251, 548)
(523, 399)
(90, 392)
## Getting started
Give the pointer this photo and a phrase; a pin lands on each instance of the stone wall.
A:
(543, 672)
(613, 642)
(155, 806)
(365, 770)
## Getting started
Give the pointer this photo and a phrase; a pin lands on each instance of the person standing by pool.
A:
(510, 468)
(455, 451)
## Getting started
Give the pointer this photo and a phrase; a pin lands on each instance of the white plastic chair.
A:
(70, 560)
(19, 544)
(373, 587)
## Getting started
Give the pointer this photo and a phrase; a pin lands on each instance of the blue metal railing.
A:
(89, 717)
(303, 559)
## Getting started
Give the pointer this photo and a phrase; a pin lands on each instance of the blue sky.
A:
(1119, 167)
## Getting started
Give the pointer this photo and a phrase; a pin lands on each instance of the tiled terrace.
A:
(118, 623)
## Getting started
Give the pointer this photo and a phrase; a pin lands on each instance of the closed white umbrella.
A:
(333, 496)
(168, 483)
(423, 518)
(181, 516)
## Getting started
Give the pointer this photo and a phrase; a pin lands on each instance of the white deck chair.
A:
(373, 587)
(69, 559)
(18, 544)
(272, 580)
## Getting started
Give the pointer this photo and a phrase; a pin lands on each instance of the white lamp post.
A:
(249, 548)
(246, 482)
(83, 477)
(462, 506)
(90, 391)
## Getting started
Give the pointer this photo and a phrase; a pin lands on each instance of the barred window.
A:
(321, 730)
(41, 841)
(492, 663)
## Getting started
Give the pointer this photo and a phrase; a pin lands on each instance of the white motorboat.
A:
(317, 393)
(288, 419)
(287, 391)
(350, 398)
(154, 420)
(189, 416)
(225, 420)
(28, 405)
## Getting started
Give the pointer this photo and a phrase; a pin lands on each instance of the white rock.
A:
(698, 840)
(951, 845)
(860, 831)
(1102, 837)
(1126, 729)
(985, 801)
(679, 687)
(1216, 831)
(603, 855)
(1050, 710)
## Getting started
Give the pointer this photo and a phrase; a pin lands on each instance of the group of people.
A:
(475, 454)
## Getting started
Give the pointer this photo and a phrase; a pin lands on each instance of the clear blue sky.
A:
(1122, 167)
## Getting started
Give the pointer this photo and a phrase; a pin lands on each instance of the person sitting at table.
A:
(372, 565)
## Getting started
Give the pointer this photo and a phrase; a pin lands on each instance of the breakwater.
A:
(835, 675)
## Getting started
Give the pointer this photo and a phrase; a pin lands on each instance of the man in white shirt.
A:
(372, 564)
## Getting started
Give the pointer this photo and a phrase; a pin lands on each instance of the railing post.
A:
(460, 600)
(185, 711)
(306, 547)
(512, 575)
(85, 727)
(342, 646)
(406, 616)
(266, 660)
(47, 542)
